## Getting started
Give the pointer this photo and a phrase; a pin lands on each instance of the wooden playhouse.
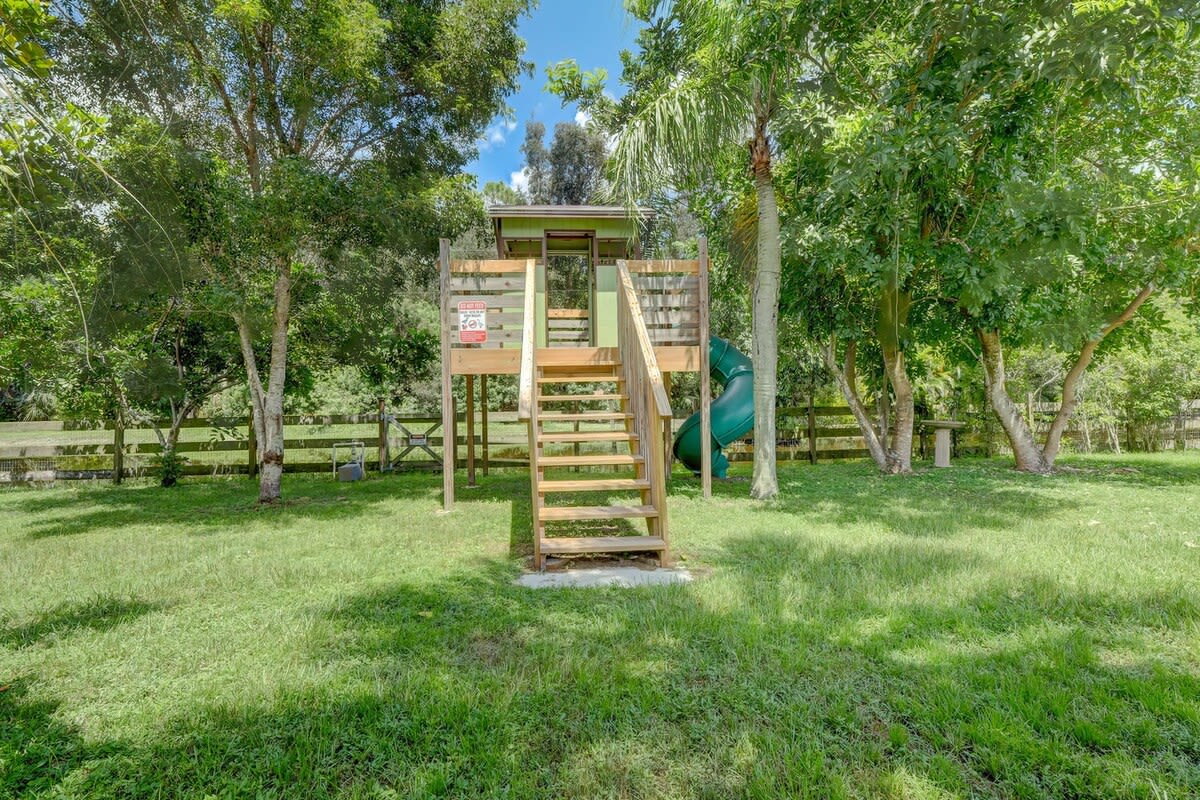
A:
(593, 333)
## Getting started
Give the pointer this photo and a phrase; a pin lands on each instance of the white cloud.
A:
(496, 134)
(519, 180)
(582, 117)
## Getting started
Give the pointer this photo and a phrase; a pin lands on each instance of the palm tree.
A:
(721, 90)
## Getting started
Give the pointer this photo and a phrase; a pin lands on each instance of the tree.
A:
(498, 193)
(316, 117)
(570, 172)
(710, 77)
(537, 162)
(157, 343)
(577, 157)
(932, 135)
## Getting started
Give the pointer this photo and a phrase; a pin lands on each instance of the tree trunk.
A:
(764, 484)
(893, 319)
(881, 407)
(846, 378)
(170, 474)
(1070, 391)
(1087, 432)
(266, 403)
(1028, 455)
(903, 415)
(271, 473)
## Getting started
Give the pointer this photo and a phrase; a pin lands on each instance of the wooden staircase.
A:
(598, 421)
(588, 470)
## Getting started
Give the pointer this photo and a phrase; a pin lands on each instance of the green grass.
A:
(961, 633)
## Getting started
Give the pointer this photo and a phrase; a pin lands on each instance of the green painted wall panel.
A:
(533, 227)
(604, 306)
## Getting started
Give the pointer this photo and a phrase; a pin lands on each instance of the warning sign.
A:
(472, 322)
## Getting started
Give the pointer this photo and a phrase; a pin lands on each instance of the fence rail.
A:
(71, 449)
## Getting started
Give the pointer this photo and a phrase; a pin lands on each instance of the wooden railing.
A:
(567, 327)
(648, 399)
(670, 296)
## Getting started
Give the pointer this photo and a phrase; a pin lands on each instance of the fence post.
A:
(252, 447)
(118, 450)
(812, 432)
(483, 421)
(470, 430)
(385, 457)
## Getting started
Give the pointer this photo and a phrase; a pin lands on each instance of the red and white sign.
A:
(472, 322)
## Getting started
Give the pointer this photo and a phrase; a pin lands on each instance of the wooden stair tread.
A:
(585, 416)
(595, 512)
(582, 363)
(587, 436)
(579, 365)
(565, 398)
(601, 544)
(580, 377)
(616, 459)
(604, 485)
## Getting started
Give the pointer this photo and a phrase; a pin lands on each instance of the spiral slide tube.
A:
(732, 412)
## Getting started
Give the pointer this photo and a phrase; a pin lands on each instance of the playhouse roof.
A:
(568, 212)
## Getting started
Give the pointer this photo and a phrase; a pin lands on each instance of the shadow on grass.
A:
(99, 614)
(930, 503)
(38, 752)
(794, 673)
(207, 506)
(1132, 469)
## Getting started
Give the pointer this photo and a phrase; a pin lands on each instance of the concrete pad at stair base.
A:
(604, 576)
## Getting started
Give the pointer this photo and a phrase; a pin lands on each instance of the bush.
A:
(169, 466)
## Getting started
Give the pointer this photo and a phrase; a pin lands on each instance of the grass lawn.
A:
(961, 633)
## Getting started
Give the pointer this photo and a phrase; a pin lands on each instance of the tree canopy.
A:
(317, 137)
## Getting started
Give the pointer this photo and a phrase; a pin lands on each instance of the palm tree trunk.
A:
(764, 484)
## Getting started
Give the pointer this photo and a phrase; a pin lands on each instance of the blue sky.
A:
(593, 32)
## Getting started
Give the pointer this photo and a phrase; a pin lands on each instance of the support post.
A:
(471, 430)
(705, 375)
(118, 451)
(665, 433)
(575, 427)
(384, 455)
(251, 447)
(449, 443)
(812, 432)
(483, 421)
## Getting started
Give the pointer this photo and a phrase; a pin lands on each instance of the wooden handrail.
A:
(644, 351)
(647, 399)
(528, 342)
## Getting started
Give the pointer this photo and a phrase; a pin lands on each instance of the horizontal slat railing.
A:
(669, 297)
(500, 286)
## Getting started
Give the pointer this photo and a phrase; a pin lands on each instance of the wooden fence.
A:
(31, 451)
(66, 450)
(35, 451)
(1180, 431)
